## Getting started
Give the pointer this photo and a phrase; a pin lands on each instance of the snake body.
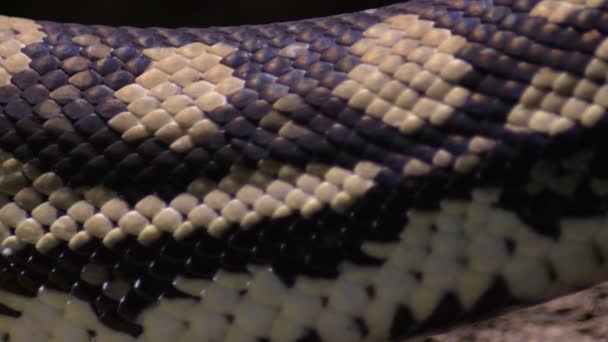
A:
(366, 176)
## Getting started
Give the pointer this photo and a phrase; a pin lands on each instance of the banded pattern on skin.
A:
(367, 176)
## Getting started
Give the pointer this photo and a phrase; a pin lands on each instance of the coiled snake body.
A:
(367, 176)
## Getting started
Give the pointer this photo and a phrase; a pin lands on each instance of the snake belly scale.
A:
(360, 177)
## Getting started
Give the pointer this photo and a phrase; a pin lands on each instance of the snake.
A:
(367, 176)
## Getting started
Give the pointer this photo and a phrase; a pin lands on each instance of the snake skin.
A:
(361, 177)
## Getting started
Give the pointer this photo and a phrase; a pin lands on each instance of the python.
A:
(367, 176)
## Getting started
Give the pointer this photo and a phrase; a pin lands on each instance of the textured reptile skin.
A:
(367, 176)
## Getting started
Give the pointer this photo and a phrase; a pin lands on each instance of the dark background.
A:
(175, 13)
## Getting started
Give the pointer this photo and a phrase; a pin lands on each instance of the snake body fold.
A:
(366, 176)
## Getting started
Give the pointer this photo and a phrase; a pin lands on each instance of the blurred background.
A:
(175, 13)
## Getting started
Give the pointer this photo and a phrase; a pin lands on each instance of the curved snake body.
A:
(366, 176)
